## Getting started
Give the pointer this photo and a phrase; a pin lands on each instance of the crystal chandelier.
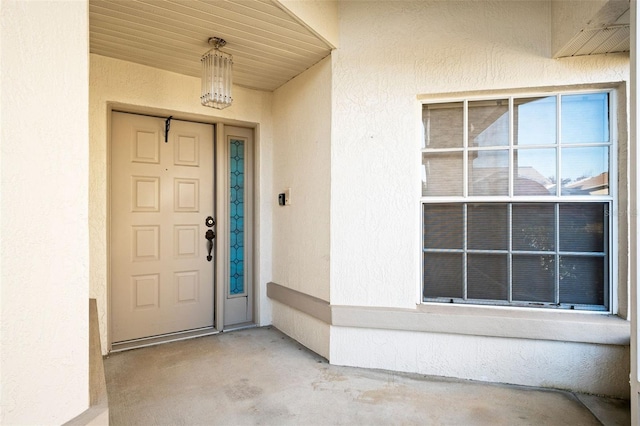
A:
(216, 76)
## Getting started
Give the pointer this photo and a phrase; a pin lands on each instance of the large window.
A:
(516, 201)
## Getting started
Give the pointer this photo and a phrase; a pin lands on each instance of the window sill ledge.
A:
(518, 323)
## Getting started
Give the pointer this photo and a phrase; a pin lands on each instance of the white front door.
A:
(161, 194)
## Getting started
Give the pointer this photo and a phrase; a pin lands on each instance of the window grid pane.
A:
(487, 226)
(488, 172)
(443, 124)
(441, 173)
(534, 278)
(585, 118)
(535, 121)
(535, 171)
(488, 123)
(585, 170)
(487, 276)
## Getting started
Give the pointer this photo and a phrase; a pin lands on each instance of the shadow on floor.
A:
(261, 377)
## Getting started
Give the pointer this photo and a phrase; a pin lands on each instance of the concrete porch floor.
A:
(260, 376)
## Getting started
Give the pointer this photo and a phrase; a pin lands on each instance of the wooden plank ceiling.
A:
(269, 46)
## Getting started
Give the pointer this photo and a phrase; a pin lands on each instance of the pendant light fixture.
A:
(217, 67)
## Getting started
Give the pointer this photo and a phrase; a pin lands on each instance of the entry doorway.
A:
(180, 229)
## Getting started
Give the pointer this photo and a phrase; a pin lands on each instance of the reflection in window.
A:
(585, 118)
(585, 171)
(535, 171)
(535, 121)
(538, 163)
(489, 172)
(489, 123)
(441, 173)
(443, 125)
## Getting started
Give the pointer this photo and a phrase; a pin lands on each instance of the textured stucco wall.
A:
(391, 52)
(146, 88)
(595, 369)
(301, 155)
(301, 161)
(307, 330)
(44, 249)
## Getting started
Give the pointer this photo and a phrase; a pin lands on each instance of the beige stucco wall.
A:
(581, 367)
(44, 253)
(301, 161)
(424, 48)
(145, 89)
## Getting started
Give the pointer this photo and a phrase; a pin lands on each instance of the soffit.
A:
(269, 46)
(607, 32)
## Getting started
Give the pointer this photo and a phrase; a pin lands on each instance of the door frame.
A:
(221, 210)
(634, 222)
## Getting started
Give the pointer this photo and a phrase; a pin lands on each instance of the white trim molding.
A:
(312, 306)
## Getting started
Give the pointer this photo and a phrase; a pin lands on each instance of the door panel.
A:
(161, 193)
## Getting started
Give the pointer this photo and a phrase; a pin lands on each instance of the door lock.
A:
(209, 222)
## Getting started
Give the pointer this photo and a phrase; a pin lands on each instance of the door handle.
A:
(209, 236)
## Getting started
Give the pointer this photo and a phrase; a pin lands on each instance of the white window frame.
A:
(614, 197)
